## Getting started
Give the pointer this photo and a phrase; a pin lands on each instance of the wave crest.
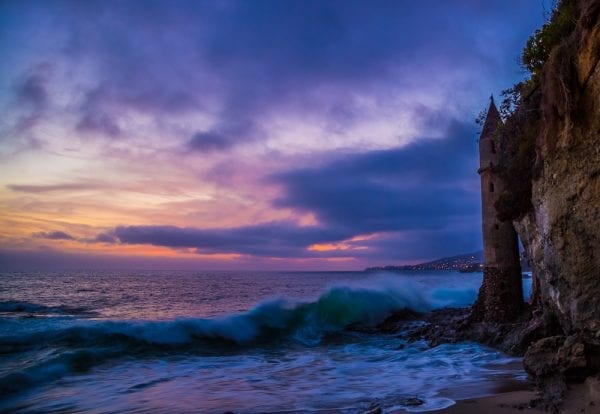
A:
(20, 308)
(82, 343)
(335, 310)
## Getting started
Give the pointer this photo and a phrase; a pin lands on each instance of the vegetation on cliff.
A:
(521, 110)
(537, 50)
(549, 159)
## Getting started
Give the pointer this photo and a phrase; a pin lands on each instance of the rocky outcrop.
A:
(559, 331)
(496, 300)
(558, 356)
(561, 233)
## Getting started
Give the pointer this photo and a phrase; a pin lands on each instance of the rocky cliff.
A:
(561, 229)
(550, 159)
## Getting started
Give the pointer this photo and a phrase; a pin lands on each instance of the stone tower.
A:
(501, 294)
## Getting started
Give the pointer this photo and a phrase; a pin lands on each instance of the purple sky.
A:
(247, 134)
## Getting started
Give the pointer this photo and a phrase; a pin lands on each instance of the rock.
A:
(397, 320)
(540, 325)
(558, 355)
(374, 408)
(573, 361)
(592, 385)
(556, 361)
(542, 357)
(439, 326)
(412, 402)
(561, 233)
(561, 230)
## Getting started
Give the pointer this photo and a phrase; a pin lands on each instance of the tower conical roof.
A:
(492, 120)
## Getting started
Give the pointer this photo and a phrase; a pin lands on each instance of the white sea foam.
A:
(281, 354)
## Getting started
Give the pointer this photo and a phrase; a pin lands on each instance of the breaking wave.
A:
(86, 342)
(335, 310)
(19, 308)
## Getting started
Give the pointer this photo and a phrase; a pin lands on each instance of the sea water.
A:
(245, 342)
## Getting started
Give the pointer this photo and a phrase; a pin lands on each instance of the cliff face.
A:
(561, 233)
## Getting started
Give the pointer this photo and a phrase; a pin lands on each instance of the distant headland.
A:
(465, 263)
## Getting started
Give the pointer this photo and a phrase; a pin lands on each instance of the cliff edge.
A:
(560, 229)
(549, 158)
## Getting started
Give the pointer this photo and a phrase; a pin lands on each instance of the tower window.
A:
(491, 187)
(493, 146)
(496, 226)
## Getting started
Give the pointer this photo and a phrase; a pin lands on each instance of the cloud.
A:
(54, 235)
(209, 141)
(104, 238)
(32, 90)
(281, 81)
(96, 120)
(32, 97)
(419, 245)
(224, 137)
(242, 60)
(274, 239)
(429, 184)
(45, 259)
(387, 204)
(50, 188)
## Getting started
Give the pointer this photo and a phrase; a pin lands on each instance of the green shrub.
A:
(516, 142)
(538, 47)
(520, 110)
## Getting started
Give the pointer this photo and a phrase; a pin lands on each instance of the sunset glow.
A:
(338, 137)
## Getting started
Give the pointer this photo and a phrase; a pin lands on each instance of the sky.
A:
(247, 135)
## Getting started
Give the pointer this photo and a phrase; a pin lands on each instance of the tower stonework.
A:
(500, 297)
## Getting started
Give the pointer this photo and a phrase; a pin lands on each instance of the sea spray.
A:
(298, 350)
(281, 318)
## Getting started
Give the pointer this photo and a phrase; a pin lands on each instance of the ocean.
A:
(242, 342)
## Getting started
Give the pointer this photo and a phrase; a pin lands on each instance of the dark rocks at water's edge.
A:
(551, 163)
(560, 229)
(552, 198)
(500, 297)
(452, 325)
(407, 402)
(552, 360)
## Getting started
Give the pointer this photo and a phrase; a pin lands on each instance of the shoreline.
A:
(503, 403)
(580, 399)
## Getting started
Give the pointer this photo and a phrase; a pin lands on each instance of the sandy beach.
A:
(581, 399)
(505, 403)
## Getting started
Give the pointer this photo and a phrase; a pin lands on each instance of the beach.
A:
(504, 403)
(580, 399)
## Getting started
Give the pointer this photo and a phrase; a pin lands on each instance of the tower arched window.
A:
(491, 187)
(493, 144)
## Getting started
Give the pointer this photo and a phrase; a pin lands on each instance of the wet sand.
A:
(505, 403)
(581, 399)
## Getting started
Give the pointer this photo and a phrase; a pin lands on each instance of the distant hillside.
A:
(469, 262)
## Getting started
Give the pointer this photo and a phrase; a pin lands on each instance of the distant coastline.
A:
(465, 263)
